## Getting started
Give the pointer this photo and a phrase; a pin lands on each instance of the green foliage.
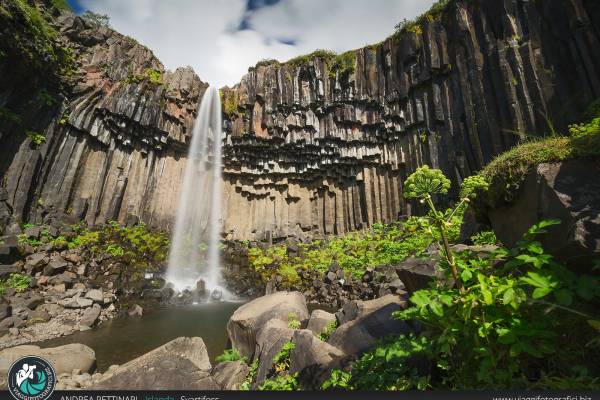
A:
(354, 252)
(265, 62)
(281, 360)
(293, 322)
(23, 239)
(485, 237)
(472, 185)
(137, 246)
(230, 355)
(85, 238)
(36, 139)
(343, 64)
(280, 378)
(61, 5)
(34, 48)
(115, 250)
(281, 382)
(425, 182)
(329, 329)
(415, 26)
(230, 103)
(247, 384)
(387, 367)
(528, 323)
(506, 173)
(151, 75)
(325, 55)
(98, 19)
(19, 282)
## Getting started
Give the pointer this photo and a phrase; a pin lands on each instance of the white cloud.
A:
(201, 33)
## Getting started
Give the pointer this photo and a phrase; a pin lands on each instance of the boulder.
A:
(76, 302)
(6, 270)
(373, 321)
(95, 295)
(269, 341)
(9, 252)
(38, 316)
(5, 310)
(33, 232)
(417, 273)
(90, 316)
(230, 375)
(135, 311)
(568, 191)
(55, 266)
(36, 262)
(310, 351)
(246, 322)
(182, 363)
(5, 325)
(319, 320)
(64, 359)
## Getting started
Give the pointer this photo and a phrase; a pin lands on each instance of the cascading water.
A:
(194, 253)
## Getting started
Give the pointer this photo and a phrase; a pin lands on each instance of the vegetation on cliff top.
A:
(506, 173)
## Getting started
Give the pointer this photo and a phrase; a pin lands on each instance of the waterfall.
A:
(194, 252)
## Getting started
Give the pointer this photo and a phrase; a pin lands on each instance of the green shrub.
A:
(19, 282)
(354, 252)
(281, 382)
(230, 355)
(115, 250)
(485, 237)
(36, 139)
(247, 384)
(329, 329)
(293, 322)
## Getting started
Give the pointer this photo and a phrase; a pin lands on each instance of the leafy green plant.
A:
(293, 322)
(423, 184)
(115, 250)
(520, 323)
(390, 366)
(247, 384)
(19, 282)
(230, 355)
(36, 139)
(281, 382)
(329, 329)
(281, 360)
(485, 237)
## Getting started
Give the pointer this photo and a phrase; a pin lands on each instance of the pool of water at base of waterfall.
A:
(122, 339)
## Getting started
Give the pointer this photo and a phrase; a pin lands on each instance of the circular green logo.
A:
(31, 378)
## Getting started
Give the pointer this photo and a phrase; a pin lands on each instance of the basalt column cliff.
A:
(321, 143)
(313, 145)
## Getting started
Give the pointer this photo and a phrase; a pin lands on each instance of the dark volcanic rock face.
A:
(307, 148)
(115, 138)
(311, 149)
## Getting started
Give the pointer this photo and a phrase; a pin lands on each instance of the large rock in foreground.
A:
(569, 191)
(368, 321)
(182, 363)
(246, 322)
(64, 359)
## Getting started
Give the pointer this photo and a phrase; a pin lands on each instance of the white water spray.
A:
(194, 252)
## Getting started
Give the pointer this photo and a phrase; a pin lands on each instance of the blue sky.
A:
(220, 39)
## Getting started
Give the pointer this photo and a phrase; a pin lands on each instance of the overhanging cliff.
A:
(318, 144)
